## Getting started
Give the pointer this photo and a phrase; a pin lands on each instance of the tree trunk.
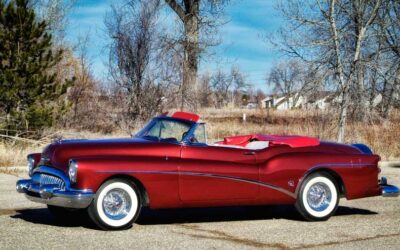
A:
(355, 64)
(386, 104)
(343, 115)
(362, 103)
(189, 14)
(339, 68)
(190, 62)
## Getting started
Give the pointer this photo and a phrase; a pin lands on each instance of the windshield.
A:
(165, 129)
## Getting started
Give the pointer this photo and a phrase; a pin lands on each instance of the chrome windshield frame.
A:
(149, 125)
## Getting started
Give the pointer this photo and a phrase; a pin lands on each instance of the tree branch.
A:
(374, 13)
(177, 8)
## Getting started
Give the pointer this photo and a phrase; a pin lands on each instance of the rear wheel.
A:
(318, 198)
(116, 205)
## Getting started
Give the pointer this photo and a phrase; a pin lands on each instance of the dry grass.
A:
(381, 136)
(13, 153)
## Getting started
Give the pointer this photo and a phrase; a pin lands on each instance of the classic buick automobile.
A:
(168, 164)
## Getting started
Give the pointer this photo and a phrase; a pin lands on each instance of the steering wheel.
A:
(194, 140)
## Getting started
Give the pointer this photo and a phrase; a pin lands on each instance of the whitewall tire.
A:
(318, 197)
(116, 206)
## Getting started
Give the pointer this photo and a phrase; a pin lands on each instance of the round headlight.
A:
(31, 165)
(73, 171)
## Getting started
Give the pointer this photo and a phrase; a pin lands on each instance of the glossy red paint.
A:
(186, 116)
(193, 175)
(36, 158)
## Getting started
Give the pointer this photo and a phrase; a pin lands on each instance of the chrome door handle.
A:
(249, 153)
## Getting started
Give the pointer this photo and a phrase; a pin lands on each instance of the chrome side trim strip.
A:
(260, 183)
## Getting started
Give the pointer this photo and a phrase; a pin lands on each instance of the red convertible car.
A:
(169, 164)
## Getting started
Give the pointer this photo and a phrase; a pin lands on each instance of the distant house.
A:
(377, 100)
(322, 99)
(267, 102)
(283, 102)
(317, 100)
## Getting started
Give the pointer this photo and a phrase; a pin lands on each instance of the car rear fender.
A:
(356, 173)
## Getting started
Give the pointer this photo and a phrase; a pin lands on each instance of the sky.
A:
(243, 37)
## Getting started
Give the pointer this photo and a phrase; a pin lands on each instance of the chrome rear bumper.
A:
(51, 194)
(388, 190)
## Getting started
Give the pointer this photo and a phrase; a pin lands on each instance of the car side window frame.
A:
(191, 134)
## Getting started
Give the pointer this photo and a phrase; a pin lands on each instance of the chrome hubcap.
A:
(117, 204)
(319, 196)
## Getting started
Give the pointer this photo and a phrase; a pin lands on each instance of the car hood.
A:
(60, 152)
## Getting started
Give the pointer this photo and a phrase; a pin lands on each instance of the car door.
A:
(217, 173)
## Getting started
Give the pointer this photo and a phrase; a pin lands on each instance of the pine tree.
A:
(28, 85)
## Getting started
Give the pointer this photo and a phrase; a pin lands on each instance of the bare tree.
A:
(204, 93)
(131, 28)
(55, 12)
(196, 17)
(388, 34)
(221, 84)
(332, 33)
(229, 87)
(82, 94)
(284, 79)
(240, 85)
(260, 95)
(293, 79)
(364, 18)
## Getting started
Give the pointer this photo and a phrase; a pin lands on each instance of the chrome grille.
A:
(50, 179)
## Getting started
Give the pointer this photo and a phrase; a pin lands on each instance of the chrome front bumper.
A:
(388, 190)
(52, 194)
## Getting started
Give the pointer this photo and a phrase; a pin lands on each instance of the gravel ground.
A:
(371, 223)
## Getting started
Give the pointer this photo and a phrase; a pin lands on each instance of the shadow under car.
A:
(182, 215)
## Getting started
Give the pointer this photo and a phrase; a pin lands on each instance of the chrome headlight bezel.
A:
(73, 171)
(30, 164)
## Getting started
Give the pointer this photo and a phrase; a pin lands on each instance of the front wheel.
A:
(318, 198)
(116, 205)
